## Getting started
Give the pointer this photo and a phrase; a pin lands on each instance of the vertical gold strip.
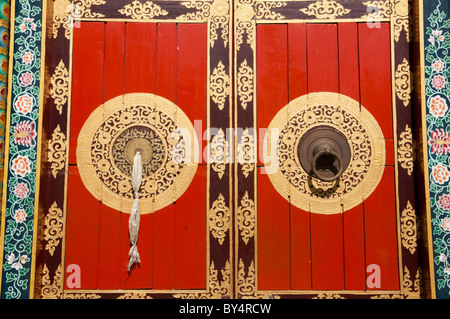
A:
(39, 148)
(425, 148)
(7, 135)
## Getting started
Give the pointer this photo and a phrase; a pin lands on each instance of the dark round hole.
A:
(327, 165)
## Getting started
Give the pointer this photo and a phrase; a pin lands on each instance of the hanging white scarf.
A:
(134, 221)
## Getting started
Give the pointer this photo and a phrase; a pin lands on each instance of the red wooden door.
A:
(306, 249)
(115, 59)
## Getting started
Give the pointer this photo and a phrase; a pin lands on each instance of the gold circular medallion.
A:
(116, 130)
(364, 137)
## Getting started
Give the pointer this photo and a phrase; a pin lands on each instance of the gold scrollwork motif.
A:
(264, 10)
(66, 11)
(406, 150)
(220, 15)
(216, 289)
(245, 23)
(135, 295)
(246, 216)
(201, 13)
(246, 283)
(400, 19)
(57, 151)
(110, 133)
(246, 152)
(219, 219)
(409, 228)
(245, 84)
(53, 228)
(328, 295)
(80, 296)
(143, 11)
(219, 153)
(59, 88)
(403, 82)
(410, 288)
(377, 10)
(325, 9)
(52, 289)
(219, 87)
(365, 139)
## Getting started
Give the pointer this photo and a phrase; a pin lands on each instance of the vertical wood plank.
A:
(83, 215)
(354, 254)
(327, 251)
(109, 224)
(375, 82)
(273, 210)
(140, 76)
(381, 230)
(164, 219)
(190, 215)
(190, 240)
(300, 232)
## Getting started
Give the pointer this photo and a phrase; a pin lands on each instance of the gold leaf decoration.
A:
(410, 288)
(246, 283)
(219, 219)
(59, 86)
(245, 84)
(264, 10)
(403, 82)
(80, 296)
(143, 11)
(245, 23)
(134, 295)
(52, 289)
(325, 9)
(53, 228)
(328, 295)
(246, 215)
(219, 19)
(246, 152)
(406, 150)
(65, 12)
(57, 151)
(217, 289)
(219, 153)
(409, 228)
(219, 86)
(200, 15)
(400, 19)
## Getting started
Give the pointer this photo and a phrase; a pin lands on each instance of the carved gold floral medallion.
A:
(362, 133)
(143, 122)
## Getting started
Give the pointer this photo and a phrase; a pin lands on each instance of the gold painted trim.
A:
(406, 153)
(53, 228)
(325, 9)
(57, 147)
(423, 107)
(143, 11)
(409, 228)
(59, 86)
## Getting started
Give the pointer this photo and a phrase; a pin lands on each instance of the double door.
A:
(274, 137)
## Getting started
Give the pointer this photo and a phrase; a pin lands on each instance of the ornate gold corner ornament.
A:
(216, 289)
(143, 11)
(410, 288)
(246, 152)
(245, 23)
(219, 219)
(57, 151)
(264, 10)
(246, 283)
(53, 228)
(245, 84)
(403, 82)
(219, 153)
(201, 14)
(409, 228)
(400, 18)
(59, 86)
(219, 19)
(380, 10)
(246, 216)
(66, 11)
(52, 289)
(80, 296)
(406, 150)
(325, 9)
(219, 85)
(328, 295)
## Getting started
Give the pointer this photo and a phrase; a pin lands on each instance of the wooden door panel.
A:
(115, 58)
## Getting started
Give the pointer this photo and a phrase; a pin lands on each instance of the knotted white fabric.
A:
(134, 221)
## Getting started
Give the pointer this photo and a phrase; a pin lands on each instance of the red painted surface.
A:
(302, 250)
(110, 59)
